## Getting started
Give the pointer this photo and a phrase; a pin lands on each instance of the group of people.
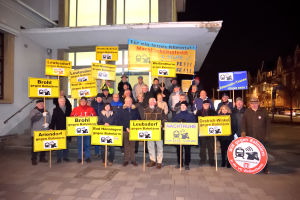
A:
(140, 103)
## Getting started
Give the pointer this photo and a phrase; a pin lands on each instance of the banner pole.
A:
(180, 156)
(233, 97)
(216, 158)
(82, 150)
(162, 83)
(50, 159)
(106, 156)
(144, 155)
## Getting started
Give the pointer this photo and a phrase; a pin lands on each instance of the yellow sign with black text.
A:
(104, 71)
(185, 85)
(84, 89)
(49, 140)
(145, 130)
(163, 68)
(107, 135)
(107, 53)
(219, 125)
(58, 67)
(181, 133)
(81, 75)
(43, 87)
(81, 126)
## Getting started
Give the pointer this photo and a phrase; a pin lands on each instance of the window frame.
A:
(2, 65)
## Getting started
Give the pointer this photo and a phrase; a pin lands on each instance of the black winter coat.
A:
(126, 116)
(68, 104)
(230, 137)
(192, 97)
(59, 120)
(147, 96)
(199, 88)
(237, 116)
(111, 120)
(121, 84)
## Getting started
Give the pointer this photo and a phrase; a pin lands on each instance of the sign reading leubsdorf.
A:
(58, 67)
(42, 87)
(81, 75)
(148, 130)
(181, 133)
(233, 80)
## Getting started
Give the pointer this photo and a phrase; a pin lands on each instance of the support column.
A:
(63, 13)
(110, 12)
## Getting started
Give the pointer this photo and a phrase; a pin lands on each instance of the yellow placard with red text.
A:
(57, 67)
(107, 53)
(49, 140)
(83, 89)
(81, 75)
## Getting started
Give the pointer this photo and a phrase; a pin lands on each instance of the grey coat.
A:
(37, 120)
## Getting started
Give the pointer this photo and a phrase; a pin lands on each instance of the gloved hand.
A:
(45, 125)
(243, 134)
(195, 111)
(45, 114)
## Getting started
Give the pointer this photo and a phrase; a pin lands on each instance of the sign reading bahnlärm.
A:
(57, 67)
(163, 68)
(148, 130)
(181, 133)
(107, 135)
(81, 126)
(107, 53)
(233, 80)
(42, 87)
(104, 71)
(83, 89)
(219, 125)
(49, 140)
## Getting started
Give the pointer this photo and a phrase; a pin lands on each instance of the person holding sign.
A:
(58, 122)
(129, 112)
(206, 140)
(155, 113)
(107, 117)
(184, 116)
(84, 110)
(37, 117)
(155, 86)
(97, 104)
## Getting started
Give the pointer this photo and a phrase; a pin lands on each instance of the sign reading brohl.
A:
(247, 155)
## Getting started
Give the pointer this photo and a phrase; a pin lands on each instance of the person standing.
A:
(83, 110)
(193, 95)
(141, 106)
(256, 123)
(184, 116)
(129, 112)
(162, 90)
(127, 93)
(121, 93)
(175, 98)
(155, 113)
(162, 104)
(106, 97)
(107, 117)
(117, 106)
(58, 122)
(225, 101)
(37, 118)
(174, 83)
(206, 140)
(237, 115)
(122, 82)
(155, 86)
(107, 84)
(147, 94)
(137, 88)
(198, 103)
(67, 104)
(197, 84)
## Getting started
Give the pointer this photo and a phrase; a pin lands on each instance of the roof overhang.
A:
(201, 34)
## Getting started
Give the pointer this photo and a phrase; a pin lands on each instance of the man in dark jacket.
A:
(98, 107)
(198, 103)
(198, 84)
(129, 112)
(117, 106)
(155, 113)
(237, 116)
(225, 101)
(127, 93)
(67, 104)
(193, 95)
(206, 140)
(122, 82)
(147, 94)
(166, 93)
(58, 122)
(106, 97)
(155, 86)
(256, 123)
(174, 83)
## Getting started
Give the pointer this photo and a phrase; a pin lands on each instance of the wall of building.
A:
(48, 8)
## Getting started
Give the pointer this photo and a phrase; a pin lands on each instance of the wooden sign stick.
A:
(180, 156)
(105, 156)
(216, 158)
(82, 150)
(144, 155)
(45, 123)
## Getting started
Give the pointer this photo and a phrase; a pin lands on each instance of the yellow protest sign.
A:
(141, 53)
(219, 125)
(81, 75)
(104, 71)
(84, 89)
(148, 130)
(107, 53)
(186, 84)
(181, 133)
(78, 126)
(107, 135)
(163, 68)
(43, 87)
(58, 67)
(49, 140)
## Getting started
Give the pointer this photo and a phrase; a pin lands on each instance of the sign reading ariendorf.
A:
(219, 125)
(107, 135)
(84, 89)
(42, 87)
(247, 155)
(58, 67)
(78, 126)
(49, 140)
(233, 80)
(181, 133)
(148, 130)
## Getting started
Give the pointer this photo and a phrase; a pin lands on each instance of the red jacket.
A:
(83, 111)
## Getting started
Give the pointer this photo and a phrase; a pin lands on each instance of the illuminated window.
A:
(136, 11)
(87, 13)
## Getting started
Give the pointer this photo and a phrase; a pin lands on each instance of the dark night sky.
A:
(251, 33)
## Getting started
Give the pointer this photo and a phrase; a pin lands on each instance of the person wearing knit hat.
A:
(155, 85)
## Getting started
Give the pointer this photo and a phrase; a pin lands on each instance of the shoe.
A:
(158, 166)
(212, 164)
(187, 167)
(178, 166)
(97, 156)
(88, 160)
(202, 163)
(228, 165)
(134, 163)
(33, 162)
(125, 163)
(58, 160)
(266, 171)
(110, 164)
(79, 161)
(67, 160)
(43, 160)
(223, 165)
(136, 151)
(151, 164)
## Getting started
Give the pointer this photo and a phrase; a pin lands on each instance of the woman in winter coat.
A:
(225, 140)
(107, 117)
(160, 103)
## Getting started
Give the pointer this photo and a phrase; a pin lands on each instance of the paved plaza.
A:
(72, 181)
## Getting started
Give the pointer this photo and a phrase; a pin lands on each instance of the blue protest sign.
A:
(233, 80)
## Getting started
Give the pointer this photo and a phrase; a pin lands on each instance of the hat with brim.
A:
(40, 101)
(254, 100)
(225, 94)
(124, 76)
(105, 88)
(173, 79)
(206, 101)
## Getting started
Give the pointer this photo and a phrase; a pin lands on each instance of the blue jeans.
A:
(111, 150)
(86, 146)
(97, 149)
(63, 153)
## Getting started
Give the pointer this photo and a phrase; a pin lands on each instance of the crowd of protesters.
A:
(156, 103)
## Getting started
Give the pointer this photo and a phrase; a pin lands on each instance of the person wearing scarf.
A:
(225, 101)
